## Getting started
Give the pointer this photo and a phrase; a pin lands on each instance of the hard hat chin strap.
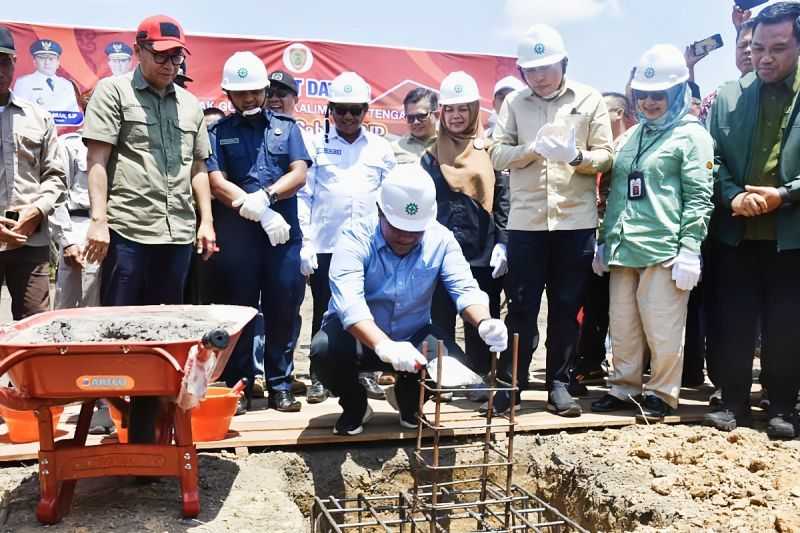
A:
(248, 112)
(327, 122)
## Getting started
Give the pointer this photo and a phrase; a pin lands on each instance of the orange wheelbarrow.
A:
(46, 374)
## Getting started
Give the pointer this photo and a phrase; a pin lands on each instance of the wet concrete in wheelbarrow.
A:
(133, 328)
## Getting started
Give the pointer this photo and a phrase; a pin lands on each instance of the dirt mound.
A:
(670, 478)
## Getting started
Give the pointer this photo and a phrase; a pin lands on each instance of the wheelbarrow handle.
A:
(216, 339)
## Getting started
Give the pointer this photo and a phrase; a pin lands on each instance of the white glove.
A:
(686, 269)
(499, 260)
(556, 143)
(275, 226)
(308, 259)
(494, 333)
(403, 356)
(252, 205)
(599, 265)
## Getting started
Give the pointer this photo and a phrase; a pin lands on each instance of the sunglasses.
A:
(161, 59)
(354, 110)
(417, 117)
(656, 96)
(280, 93)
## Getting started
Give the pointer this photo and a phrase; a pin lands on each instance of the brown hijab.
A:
(464, 160)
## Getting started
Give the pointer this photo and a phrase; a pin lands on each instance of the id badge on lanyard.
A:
(636, 187)
(636, 183)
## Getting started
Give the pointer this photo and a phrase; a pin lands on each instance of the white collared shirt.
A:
(34, 88)
(342, 186)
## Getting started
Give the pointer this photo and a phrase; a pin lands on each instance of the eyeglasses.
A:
(655, 96)
(280, 93)
(417, 117)
(342, 110)
(161, 58)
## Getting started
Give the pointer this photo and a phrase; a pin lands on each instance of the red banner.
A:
(391, 72)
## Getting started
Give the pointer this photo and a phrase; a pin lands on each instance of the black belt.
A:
(79, 212)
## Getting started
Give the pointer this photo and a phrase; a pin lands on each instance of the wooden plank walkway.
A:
(312, 425)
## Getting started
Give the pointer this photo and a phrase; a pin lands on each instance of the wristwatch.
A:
(273, 197)
(578, 159)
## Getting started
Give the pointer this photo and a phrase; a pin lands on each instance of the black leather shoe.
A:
(374, 391)
(283, 400)
(654, 408)
(316, 393)
(727, 420)
(609, 403)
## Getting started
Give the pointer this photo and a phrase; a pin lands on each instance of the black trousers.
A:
(561, 262)
(443, 314)
(755, 281)
(339, 358)
(594, 329)
(321, 295)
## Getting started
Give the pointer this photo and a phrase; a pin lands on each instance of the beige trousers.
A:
(646, 309)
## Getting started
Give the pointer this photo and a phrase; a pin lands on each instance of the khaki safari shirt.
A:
(551, 195)
(156, 139)
(32, 171)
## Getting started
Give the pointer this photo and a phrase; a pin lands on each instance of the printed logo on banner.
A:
(298, 58)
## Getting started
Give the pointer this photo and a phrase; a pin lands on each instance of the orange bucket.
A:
(212, 418)
(23, 426)
(116, 417)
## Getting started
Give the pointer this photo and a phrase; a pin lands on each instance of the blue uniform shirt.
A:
(254, 153)
(370, 282)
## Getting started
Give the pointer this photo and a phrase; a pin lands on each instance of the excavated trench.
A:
(640, 478)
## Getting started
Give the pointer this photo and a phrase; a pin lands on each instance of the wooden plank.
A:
(312, 425)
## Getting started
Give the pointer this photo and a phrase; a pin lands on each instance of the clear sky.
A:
(604, 37)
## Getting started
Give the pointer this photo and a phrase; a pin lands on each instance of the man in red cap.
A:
(147, 146)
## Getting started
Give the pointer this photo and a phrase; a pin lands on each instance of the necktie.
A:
(51, 84)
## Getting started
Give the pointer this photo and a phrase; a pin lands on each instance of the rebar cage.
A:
(447, 497)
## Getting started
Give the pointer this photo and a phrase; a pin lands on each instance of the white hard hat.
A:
(661, 67)
(349, 88)
(458, 88)
(408, 198)
(541, 46)
(509, 82)
(244, 71)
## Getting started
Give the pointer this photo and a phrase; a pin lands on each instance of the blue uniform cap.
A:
(45, 46)
(7, 42)
(117, 48)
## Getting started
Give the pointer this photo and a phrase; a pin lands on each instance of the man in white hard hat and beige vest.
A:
(555, 137)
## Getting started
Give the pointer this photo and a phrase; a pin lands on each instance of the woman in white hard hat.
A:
(350, 162)
(656, 219)
(472, 201)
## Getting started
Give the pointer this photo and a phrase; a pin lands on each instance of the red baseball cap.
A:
(163, 32)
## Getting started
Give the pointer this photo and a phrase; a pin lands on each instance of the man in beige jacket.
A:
(554, 136)
(31, 186)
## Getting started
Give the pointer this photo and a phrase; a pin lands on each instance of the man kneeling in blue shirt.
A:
(382, 280)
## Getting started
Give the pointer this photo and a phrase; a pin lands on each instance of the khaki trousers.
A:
(646, 309)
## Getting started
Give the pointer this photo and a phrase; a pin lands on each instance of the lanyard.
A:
(640, 152)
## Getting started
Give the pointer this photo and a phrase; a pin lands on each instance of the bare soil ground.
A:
(641, 478)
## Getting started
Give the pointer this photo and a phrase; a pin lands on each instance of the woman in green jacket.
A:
(656, 219)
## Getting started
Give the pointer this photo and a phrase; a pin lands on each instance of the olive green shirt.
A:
(155, 141)
(774, 108)
(410, 149)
